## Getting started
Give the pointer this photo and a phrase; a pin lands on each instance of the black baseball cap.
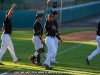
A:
(55, 12)
(51, 15)
(39, 14)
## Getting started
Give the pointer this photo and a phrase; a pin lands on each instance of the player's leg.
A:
(96, 51)
(53, 60)
(37, 57)
(38, 52)
(12, 52)
(52, 49)
(39, 48)
(32, 57)
(48, 51)
(4, 45)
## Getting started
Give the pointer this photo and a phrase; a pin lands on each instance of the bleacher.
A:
(43, 3)
(35, 3)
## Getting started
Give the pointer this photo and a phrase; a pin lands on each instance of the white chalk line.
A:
(69, 49)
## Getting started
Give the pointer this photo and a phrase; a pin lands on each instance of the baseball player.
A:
(55, 13)
(50, 41)
(97, 51)
(6, 36)
(37, 40)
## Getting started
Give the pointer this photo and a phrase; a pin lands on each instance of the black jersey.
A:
(56, 24)
(98, 29)
(37, 28)
(48, 28)
(7, 26)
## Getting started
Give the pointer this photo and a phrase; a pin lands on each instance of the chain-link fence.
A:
(40, 4)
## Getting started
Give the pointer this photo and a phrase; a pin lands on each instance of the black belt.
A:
(52, 37)
(8, 34)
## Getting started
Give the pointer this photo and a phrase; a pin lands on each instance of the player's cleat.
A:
(50, 68)
(18, 60)
(32, 58)
(1, 63)
(54, 62)
(47, 67)
(38, 64)
(87, 61)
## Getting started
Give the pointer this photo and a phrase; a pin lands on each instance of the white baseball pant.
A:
(7, 43)
(50, 42)
(56, 44)
(97, 51)
(37, 42)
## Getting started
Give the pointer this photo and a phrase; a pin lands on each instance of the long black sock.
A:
(38, 58)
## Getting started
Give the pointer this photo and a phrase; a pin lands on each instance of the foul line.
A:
(69, 49)
(74, 47)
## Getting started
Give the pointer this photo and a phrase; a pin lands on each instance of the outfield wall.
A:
(25, 19)
(21, 19)
(80, 11)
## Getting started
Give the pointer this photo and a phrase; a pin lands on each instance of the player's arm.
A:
(48, 26)
(57, 35)
(60, 40)
(11, 9)
(40, 37)
(59, 20)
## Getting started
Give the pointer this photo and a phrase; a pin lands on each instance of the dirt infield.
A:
(80, 36)
(86, 22)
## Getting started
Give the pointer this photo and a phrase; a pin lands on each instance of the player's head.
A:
(55, 13)
(51, 17)
(10, 15)
(39, 16)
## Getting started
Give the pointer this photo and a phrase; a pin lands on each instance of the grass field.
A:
(71, 56)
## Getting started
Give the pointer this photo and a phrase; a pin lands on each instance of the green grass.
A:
(72, 58)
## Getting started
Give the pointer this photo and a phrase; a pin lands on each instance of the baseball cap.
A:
(50, 15)
(39, 14)
(55, 12)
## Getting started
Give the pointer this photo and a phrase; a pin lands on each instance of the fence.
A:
(39, 4)
(25, 19)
